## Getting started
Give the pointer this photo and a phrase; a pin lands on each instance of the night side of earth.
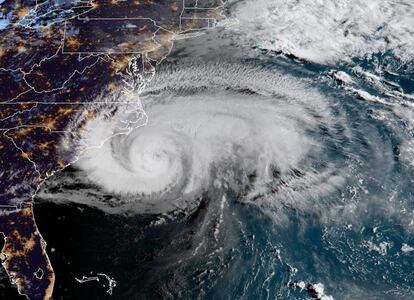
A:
(57, 60)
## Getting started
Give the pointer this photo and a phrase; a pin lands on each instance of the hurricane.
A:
(279, 166)
(223, 128)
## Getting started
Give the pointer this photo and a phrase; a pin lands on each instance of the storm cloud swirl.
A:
(222, 140)
(261, 134)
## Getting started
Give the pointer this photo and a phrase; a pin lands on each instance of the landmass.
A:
(111, 281)
(57, 59)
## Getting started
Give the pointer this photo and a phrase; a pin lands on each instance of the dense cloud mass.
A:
(220, 127)
(328, 31)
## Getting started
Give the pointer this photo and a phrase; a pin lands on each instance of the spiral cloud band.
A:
(220, 127)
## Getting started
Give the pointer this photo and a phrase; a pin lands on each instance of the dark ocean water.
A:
(256, 261)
